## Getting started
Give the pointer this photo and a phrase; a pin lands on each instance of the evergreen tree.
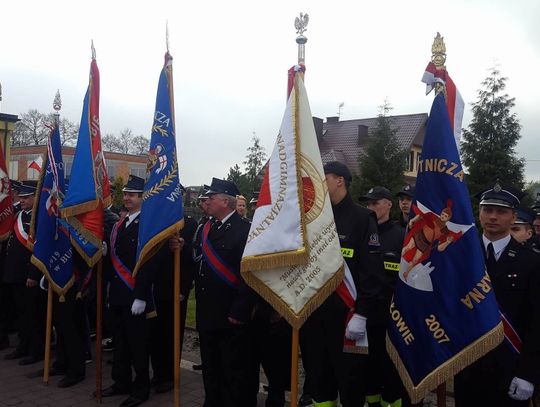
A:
(235, 175)
(383, 161)
(487, 149)
(255, 160)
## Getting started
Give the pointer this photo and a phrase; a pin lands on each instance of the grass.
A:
(190, 317)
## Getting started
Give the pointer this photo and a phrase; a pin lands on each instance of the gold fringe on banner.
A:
(295, 320)
(155, 244)
(360, 350)
(451, 367)
(274, 260)
(78, 226)
(61, 291)
(79, 209)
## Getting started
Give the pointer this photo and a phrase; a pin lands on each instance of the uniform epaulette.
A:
(247, 220)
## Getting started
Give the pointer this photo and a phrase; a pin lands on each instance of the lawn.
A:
(190, 317)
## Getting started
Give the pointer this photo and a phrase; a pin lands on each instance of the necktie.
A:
(491, 261)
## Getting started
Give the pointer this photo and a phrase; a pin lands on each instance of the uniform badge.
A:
(511, 253)
(374, 240)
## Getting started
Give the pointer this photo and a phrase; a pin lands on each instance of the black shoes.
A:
(197, 367)
(113, 391)
(305, 400)
(52, 372)
(163, 387)
(16, 354)
(67, 381)
(29, 360)
(132, 401)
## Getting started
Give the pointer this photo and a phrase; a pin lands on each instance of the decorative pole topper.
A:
(57, 105)
(438, 57)
(300, 23)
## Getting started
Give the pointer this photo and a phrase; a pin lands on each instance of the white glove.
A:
(42, 284)
(138, 307)
(520, 389)
(356, 328)
(104, 248)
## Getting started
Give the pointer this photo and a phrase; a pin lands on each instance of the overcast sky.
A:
(231, 59)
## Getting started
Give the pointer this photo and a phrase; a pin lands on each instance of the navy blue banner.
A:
(162, 210)
(52, 246)
(443, 315)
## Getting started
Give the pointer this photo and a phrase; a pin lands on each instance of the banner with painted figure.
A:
(443, 315)
(162, 209)
(89, 189)
(292, 256)
(52, 246)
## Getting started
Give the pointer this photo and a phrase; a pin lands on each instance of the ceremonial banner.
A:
(292, 256)
(52, 247)
(89, 189)
(6, 202)
(443, 315)
(162, 210)
(454, 102)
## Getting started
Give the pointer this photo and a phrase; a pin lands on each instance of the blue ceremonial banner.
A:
(162, 212)
(52, 247)
(89, 190)
(443, 316)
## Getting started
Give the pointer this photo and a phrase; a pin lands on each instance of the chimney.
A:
(318, 123)
(362, 133)
(332, 119)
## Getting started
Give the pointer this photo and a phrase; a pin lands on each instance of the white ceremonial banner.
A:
(297, 290)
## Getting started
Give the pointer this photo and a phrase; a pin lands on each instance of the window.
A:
(14, 170)
(410, 162)
(139, 171)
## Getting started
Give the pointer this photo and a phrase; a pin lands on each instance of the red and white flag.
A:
(36, 164)
(7, 216)
(292, 256)
(454, 101)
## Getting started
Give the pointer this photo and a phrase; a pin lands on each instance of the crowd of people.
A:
(239, 332)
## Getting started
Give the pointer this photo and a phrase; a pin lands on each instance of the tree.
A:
(235, 175)
(111, 143)
(255, 161)
(139, 145)
(488, 144)
(31, 129)
(116, 192)
(69, 132)
(383, 161)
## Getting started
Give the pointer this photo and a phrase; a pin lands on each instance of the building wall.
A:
(118, 165)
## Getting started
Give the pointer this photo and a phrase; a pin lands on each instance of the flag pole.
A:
(300, 23)
(57, 106)
(177, 273)
(438, 57)
(48, 330)
(99, 331)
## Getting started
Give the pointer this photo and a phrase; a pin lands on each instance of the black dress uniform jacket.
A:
(357, 229)
(515, 278)
(391, 234)
(216, 301)
(126, 250)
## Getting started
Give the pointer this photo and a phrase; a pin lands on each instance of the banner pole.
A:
(99, 323)
(177, 338)
(294, 368)
(48, 331)
(441, 395)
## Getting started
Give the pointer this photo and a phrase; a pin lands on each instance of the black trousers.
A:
(383, 378)
(486, 382)
(228, 367)
(70, 322)
(273, 351)
(332, 371)
(162, 339)
(131, 340)
(31, 309)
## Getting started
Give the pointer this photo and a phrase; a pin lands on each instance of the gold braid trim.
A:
(61, 291)
(274, 260)
(164, 182)
(295, 320)
(451, 367)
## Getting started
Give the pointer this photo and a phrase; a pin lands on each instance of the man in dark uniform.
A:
(131, 303)
(383, 384)
(522, 230)
(506, 376)
(22, 278)
(224, 303)
(331, 370)
(162, 336)
(405, 197)
(15, 189)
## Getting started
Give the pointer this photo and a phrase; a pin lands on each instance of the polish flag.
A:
(36, 164)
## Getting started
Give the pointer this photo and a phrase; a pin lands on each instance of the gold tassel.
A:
(62, 299)
(451, 367)
(274, 260)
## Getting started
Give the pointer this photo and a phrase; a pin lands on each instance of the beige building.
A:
(344, 140)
